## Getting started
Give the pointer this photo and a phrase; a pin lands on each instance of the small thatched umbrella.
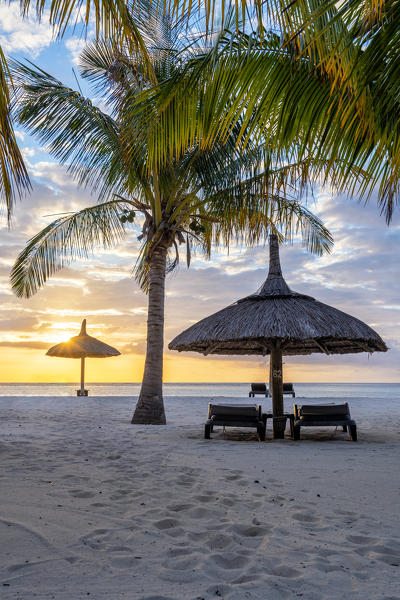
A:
(82, 346)
(276, 321)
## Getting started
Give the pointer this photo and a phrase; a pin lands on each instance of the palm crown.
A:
(197, 197)
(352, 46)
(322, 85)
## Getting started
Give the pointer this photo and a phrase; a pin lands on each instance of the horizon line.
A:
(193, 382)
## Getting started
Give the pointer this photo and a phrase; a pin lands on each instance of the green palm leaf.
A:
(64, 240)
(13, 175)
(320, 103)
(231, 191)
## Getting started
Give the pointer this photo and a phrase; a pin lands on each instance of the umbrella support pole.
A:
(82, 391)
(279, 421)
(270, 379)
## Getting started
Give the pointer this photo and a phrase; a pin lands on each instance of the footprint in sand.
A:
(233, 477)
(361, 539)
(284, 571)
(179, 507)
(120, 495)
(201, 513)
(183, 551)
(304, 517)
(326, 553)
(166, 524)
(205, 499)
(185, 482)
(123, 491)
(229, 560)
(75, 478)
(178, 575)
(219, 541)
(251, 531)
(325, 567)
(181, 564)
(228, 502)
(278, 498)
(82, 494)
(120, 549)
(385, 554)
(123, 562)
(246, 579)
(347, 513)
(19, 566)
(219, 590)
(96, 539)
(198, 536)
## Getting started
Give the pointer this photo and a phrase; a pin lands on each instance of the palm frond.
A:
(14, 178)
(66, 239)
(288, 103)
(75, 131)
(252, 220)
(211, 190)
(112, 19)
(112, 16)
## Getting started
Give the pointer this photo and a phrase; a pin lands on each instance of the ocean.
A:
(389, 391)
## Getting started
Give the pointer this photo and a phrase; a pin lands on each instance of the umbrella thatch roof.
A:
(83, 346)
(301, 324)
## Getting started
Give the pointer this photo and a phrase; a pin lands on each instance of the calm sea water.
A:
(211, 390)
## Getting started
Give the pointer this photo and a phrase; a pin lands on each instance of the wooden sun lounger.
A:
(323, 415)
(288, 389)
(261, 388)
(258, 388)
(234, 415)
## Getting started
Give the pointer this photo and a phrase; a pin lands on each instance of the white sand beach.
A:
(93, 507)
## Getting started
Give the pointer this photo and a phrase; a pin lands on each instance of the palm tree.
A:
(322, 83)
(195, 199)
(350, 50)
(113, 20)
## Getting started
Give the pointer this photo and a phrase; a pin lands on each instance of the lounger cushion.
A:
(258, 387)
(233, 410)
(325, 410)
(287, 387)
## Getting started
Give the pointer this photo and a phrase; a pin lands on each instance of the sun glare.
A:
(63, 332)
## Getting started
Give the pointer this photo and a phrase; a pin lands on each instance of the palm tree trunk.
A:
(150, 406)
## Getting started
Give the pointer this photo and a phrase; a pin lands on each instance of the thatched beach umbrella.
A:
(276, 321)
(82, 346)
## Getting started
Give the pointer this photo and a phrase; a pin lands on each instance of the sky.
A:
(361, 276)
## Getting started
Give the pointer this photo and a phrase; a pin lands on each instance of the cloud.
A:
(75, 45)
(360, 277)
(23, 35)
(25, 345)
(27, 153)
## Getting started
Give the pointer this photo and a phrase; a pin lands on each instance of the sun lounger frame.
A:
(235, 415)
(287, 388)
(323, 415)
(258, 388)
(262, 389)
